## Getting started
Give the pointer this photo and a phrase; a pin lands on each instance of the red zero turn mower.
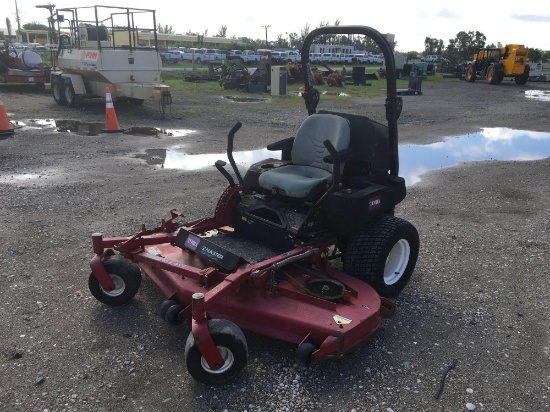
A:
(263, 262)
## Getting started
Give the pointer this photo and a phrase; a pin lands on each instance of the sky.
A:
(502, 21)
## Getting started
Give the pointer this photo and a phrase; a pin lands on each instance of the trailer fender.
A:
(78, 83)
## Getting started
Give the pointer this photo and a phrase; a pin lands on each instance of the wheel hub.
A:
(119, 286)
(228, 358)
(397, 262)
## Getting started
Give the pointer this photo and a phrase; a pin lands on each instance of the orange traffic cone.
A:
(5, 125)
(111, 122)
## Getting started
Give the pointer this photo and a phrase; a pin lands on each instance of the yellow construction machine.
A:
(494, 64)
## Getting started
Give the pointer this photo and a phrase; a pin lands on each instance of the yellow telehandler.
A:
(494, 64)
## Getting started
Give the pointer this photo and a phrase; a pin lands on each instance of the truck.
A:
(202, 55)
(494, 64)
(171, 55)
(94, 59)
(246, 56)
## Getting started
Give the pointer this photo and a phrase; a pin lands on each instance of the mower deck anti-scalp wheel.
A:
(230, 341)
(383, 255)
(304, 352)
(125, 275)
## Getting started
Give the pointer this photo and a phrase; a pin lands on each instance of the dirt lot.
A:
(479, 294)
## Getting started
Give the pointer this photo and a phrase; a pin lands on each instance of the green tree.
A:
(34, 25)
(412, 55)
(166, 29)
(222, 31)
(433, 46)
(535, 55)
(465, 44)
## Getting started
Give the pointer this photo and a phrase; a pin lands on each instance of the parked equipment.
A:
(264, 261)
(496, 64)
(92, 56)
(22, 66)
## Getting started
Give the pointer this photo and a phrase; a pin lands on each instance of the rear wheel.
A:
(521, 80)
(493, 74)
(231, 343)
(58, 92)
(470, 73)
(384, 255)
(70, 96)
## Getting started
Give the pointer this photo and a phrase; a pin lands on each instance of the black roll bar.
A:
(393, 104)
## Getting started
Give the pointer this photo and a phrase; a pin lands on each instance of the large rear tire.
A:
(384, 255)
(521, 80)
(70, 96)
(470, 73)
(493, 74)
(58, 91)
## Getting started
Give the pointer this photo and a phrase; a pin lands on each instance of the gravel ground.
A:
(479, 294)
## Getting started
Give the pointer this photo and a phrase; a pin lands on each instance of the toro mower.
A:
(268, 260)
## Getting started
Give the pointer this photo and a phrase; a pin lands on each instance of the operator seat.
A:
(309, 176)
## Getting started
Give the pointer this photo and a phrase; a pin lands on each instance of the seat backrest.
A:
(308, 148)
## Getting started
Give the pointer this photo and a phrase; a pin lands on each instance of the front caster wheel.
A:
(125, 275)
(230, 341)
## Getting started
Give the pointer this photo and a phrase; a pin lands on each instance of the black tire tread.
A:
(364, 254)
(127, 270)
(223, 333)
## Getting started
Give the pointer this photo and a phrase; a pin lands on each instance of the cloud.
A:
(532, 18)
(447, 14)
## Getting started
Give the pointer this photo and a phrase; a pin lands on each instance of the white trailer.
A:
(99, 47)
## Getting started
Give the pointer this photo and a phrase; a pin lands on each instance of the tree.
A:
(412, 55)
(535, 55)
(464, 45)
(33, 25)
(433, 45)
(222, 31)
(165, 29)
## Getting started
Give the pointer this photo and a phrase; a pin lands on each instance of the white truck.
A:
(202, 55)
(247, 56)
(91, 57)
(171, 56)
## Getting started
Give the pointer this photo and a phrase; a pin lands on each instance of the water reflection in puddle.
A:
(84, 128)
(489, 144)
(543, 95)
(173, 159)
(242, 99)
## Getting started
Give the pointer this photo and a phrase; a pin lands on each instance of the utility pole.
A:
(19, 33)
(266, 26)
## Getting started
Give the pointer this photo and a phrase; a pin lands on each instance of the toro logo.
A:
(375, 203)
(192, 242)
(88, 55)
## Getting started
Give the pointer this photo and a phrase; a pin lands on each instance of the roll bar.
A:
(394, 103)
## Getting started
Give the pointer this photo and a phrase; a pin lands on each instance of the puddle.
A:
(489, 144)
(79, 127)
(94, 128)
(173, 159)
(543, 95)
(240, 99)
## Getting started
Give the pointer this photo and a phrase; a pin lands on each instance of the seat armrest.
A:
(284, 145)
(344, 155)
